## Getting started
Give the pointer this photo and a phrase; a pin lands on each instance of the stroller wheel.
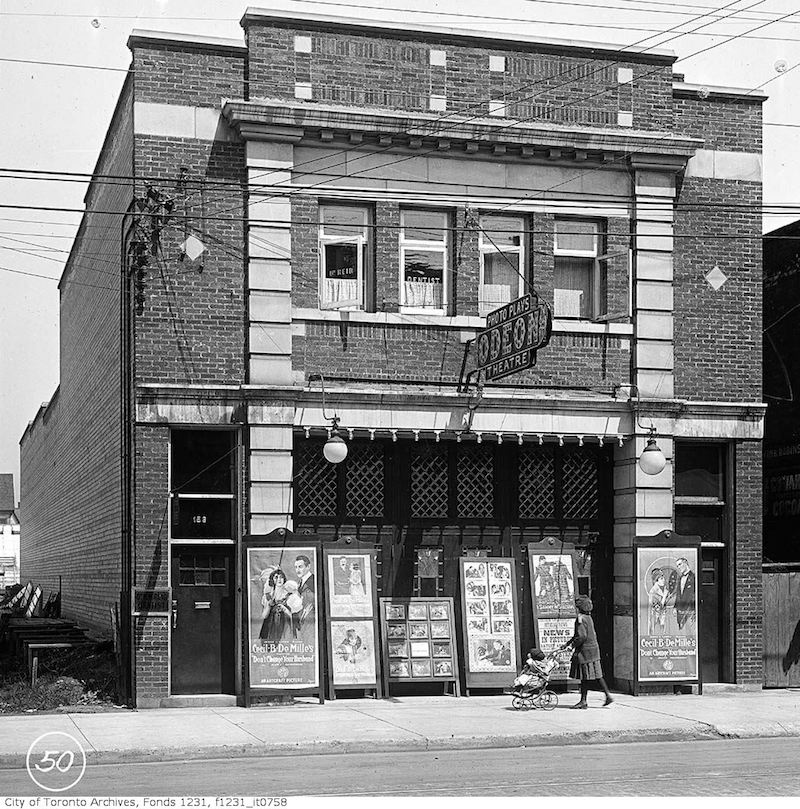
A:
(548, 700)
(530, 703)
(517, 702)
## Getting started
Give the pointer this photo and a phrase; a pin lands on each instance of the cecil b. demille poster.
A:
(283, 618)
(667, 613)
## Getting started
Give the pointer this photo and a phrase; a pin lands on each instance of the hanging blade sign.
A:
(512, 336)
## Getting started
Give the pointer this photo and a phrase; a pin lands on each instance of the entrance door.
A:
(710, 618)
(203, 629)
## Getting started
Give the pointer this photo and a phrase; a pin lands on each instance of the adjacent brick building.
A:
(341, 198)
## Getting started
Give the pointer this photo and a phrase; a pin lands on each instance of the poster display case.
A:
(553, 591)
(490, 621)
(282, 615)
(666, 604)
(352, 620)
(419, 641)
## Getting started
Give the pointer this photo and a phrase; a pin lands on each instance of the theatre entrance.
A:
(424, 504)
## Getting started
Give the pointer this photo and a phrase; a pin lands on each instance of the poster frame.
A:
(488, 679)
(286, 540)
(536, 549)
(384, 603)
(660, 542)
(331, 615)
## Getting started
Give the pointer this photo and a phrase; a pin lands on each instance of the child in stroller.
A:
(530, 687)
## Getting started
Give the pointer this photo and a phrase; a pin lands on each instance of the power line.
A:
(64, 64)
(292, 189)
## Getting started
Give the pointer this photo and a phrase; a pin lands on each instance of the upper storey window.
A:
(424, 261)
(501, 242)
(580, 269)
(343, 256)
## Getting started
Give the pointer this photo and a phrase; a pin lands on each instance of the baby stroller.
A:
(530, 687)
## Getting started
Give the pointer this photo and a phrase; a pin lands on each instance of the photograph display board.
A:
(282, 614)
(490, 622)
(419, 640)
(351, 589)
(553, 591)
(666, 599)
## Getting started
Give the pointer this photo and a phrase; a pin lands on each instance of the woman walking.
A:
(586, 653)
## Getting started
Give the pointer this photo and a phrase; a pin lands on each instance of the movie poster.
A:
(350, 584)
(553, 584)
(667, 613)
(489, 616)
(283, 631)
(353, 652)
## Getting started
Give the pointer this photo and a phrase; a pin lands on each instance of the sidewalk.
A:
(407, 723)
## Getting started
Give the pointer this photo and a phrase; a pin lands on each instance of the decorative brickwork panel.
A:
(357, 68)
(429, 482)
(315, 481)
(475, 482)
(365, 480)
(537, 494)
(580, 485)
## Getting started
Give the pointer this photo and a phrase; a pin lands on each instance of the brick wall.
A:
(190, 322)
(376, 70)
(729, 125)
(718, 333)
(187, 74)
(749, 600)
(70, 458)
(718, 223)
(151, 566)
(430, 354)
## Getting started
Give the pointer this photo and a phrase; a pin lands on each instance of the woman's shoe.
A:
(581, 705)
(608, 702)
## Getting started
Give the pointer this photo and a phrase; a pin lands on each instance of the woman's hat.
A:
(584, 604)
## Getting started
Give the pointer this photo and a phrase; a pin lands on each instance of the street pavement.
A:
(402, 724)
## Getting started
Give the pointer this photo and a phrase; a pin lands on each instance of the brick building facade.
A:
(363, 196)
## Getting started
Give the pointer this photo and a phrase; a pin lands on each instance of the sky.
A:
(55, 117)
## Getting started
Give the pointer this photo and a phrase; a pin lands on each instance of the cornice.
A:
(279, 120)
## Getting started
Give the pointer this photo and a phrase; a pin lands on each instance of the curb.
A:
(698, 732)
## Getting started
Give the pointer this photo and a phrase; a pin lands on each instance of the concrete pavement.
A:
(404, 723)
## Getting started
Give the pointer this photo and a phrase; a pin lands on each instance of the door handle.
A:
(174, 613)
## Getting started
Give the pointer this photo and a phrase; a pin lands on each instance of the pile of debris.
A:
(27, 627)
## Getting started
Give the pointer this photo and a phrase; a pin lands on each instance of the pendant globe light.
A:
(335, 448)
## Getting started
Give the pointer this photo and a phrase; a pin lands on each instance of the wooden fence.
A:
(781, 629)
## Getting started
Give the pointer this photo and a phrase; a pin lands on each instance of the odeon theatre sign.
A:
(512, 336)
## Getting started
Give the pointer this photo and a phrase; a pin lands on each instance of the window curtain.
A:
(424, 294)
(343, 293)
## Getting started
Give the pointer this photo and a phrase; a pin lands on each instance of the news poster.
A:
(283, 628)
(489, 615)
(666, 606)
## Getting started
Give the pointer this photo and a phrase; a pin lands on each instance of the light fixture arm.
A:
(335, 449)
(652, 460)
(651, 428)
(334, 419)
